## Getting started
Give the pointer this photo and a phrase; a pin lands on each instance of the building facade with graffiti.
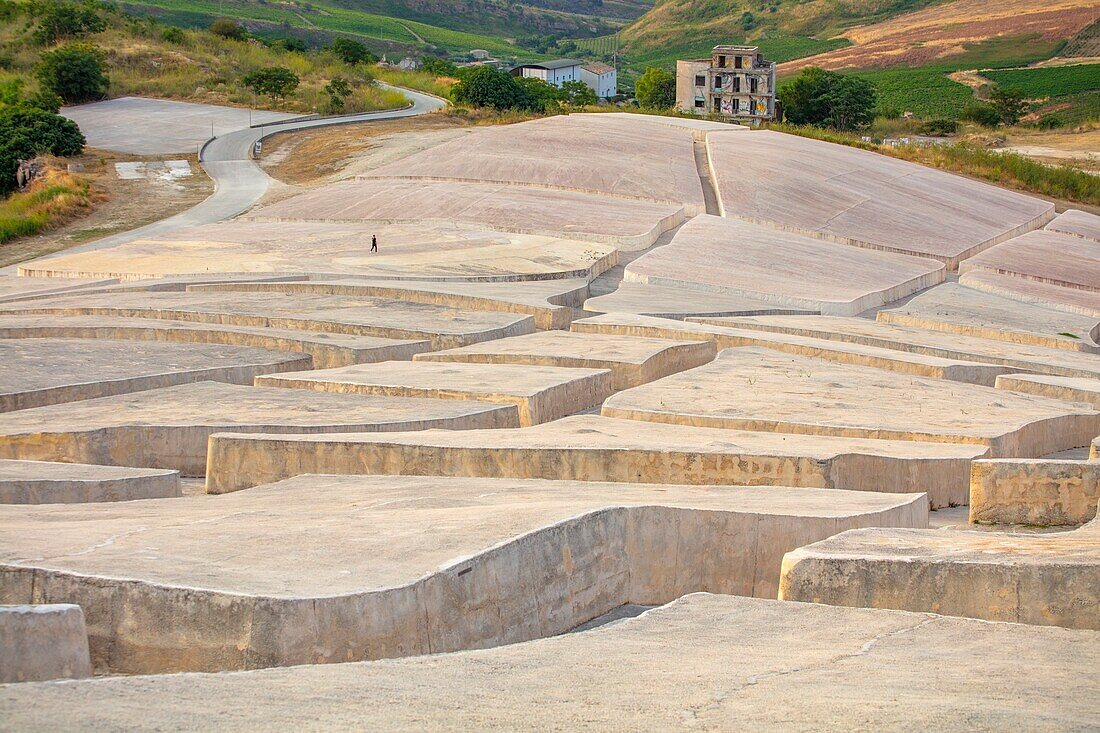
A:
(736, 82)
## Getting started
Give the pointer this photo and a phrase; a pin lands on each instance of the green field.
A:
(925, 91)
(1051, 81)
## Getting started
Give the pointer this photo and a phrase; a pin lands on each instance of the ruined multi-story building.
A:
(735, 81)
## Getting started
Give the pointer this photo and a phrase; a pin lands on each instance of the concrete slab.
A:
(595, 448)
(958, 309)
(43, 642)
(501, 207)
(758, 389)
(687, 123)
(863, 198)
(589, 153)
(325, 350)
(407, 250)
(1078, 223)
(1026, 357)
(1070, 300)
(338, 568)
(1046, 579)
(1060, 388)
(49, 371)
(169, 428)
(713, 254)
(42, 482)
(725, 337)
(665, 669)
(154, 126)
(539, 393)
(14, 288)
(551, 302)
(632, 360)
(1034, 492)
(348, 315)
(1044, 256)
(668, 301)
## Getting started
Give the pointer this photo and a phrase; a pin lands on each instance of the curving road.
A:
(239, 182)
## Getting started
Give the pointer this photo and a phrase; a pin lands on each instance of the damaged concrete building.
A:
(736, 81)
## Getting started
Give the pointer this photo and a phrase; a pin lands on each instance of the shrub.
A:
(939, 127)
(437, 66)
(1010, 105)
(484, 86)
(656, 89)
(229, 29)
(539, 95)
(352, 52)
(172, 34)
(337, 90)
(75, 72)
(26, 133)
(579, 93)
(275, 82)
(60, 20)
(981, 114)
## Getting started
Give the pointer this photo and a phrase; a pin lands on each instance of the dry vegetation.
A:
(53, 198)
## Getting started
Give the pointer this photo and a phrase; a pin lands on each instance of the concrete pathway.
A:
(240, 182)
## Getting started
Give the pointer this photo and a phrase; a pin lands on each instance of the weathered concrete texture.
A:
(43, 642)
(169, 428)
(539, 393)
(1026, 357)
(953, 307)
(14, 288)
(326, 568)
(152, 126)
(713, 254)
(844, 353)
(501, 207)
(551, 302)
(1060, 388)
(325, 350)
(1046, 256)
(758, 389)
(1078, 223)
(1045, 579)
(668, 301)
(712, 662)
(407, 250)
(863, 198)
(697, 126)
(42, 482)
(349, 315)
(595, 448)
(1033, 492)
(632, 360)
(49, 371)
(588, 153)
(1070, 300)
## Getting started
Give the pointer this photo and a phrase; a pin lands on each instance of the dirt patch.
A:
(121, 204)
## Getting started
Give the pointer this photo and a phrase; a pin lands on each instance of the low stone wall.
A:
(1042, 492)
(44, 642)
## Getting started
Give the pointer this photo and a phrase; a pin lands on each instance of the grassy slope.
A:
(206, 68)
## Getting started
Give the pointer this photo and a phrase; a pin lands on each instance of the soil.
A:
(121, 205)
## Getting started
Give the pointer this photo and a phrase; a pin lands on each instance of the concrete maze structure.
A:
(822, 418)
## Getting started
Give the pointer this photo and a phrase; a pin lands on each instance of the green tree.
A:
(338, 90)
(14, 94)
(484, 86)
(351, 51)
(826, 98)
(75, 72)
(437, 66)
(981, 113)
(26, 133)
(538, 95)
(1010, 105)
(228, 29)
(656, 89)
(59, 20)
(578, 93)
(276, 82)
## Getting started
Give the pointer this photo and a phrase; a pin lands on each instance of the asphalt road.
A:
(239, 182)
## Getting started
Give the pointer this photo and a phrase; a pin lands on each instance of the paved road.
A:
(240, 182)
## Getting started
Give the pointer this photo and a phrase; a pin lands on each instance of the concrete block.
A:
(1078, 223)
(672, 301)
(1047, 580)
(717, 255)
(43, 482)
(539, 393)
(1035, 492)
(632, 360)
(1044, 256)
(758, 389)
(169, 428)
(595, 448)
(1071, 389)
(43, 642)
(324, 569)
(1070, 300)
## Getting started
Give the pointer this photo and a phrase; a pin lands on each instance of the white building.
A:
(600, 78)
(552, 72)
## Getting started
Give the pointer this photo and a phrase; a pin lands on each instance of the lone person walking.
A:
(373, 243)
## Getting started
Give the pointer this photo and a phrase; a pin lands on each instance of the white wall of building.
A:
(604, 85)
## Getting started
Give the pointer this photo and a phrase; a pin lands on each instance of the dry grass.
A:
(52, 199)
